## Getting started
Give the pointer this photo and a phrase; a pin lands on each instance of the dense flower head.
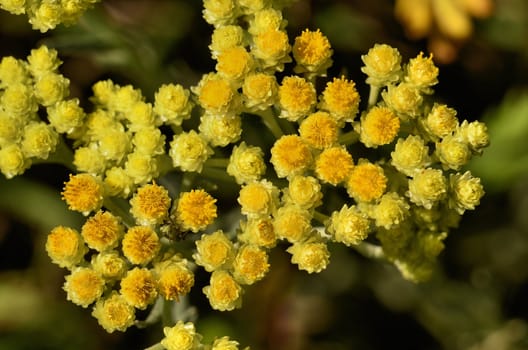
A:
(259, 198)
(189, 151)
(271, 48)
(110, 265)
(410, 155)
(114, 313)
(466, 191)
(391, 210)
(83, 286)
(319, 130)
(223, 291)
(290, 155)
(39, 140)
(258, 231)
(292, 223)
(141, 244)
(382, 65)
(83, 193)
(440, 121)
(139, 287)
(174, 278)
(217, 95)
(366, 182)
(379, 126)
(65, 246)
(182, 336)
(348, 225)
(422, 73)
(102, 231)
(246, 163)
(250, 264)
(225, 37)
(312, 52)
(334, 165)
(234, 63)
(150, 204)
(312, 257)
(172, 103)
(195, 210)
(220, 130)
(427, 187)
(220, 12)
(214, 251)
(404, 99)
(259, 91)
(453, 152)
(341, 99)
(297, 97)
(304, 191)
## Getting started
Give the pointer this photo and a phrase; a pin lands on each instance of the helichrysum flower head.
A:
(259, 91)
(224, 343)
(226, 37)
(391, 210)
(149, 140)
(189, 151)
(65, 246)
(404, 99)
(465, 192)
(246, 163)
(304, 191)
(19, 100)
(141, 244)
(258, 231)
(250, 264)
(453, 152)
(367, 182)
(312, 53)
(223, 291)
(334, 165)
(348, 225)
(382, 65)
(410, 155)
(141, 115)
(113, 144)
(90, 160)
(83, 286)
(103, 93)
(427, 187)
(172, 104)
(440, 121)
(319, 130)
(214, 251)
(51, 88)
(114, 313)
(11, 129)
(422, 73)
(292, 223)
(123, 98)
(181, 336)
(175, 279)
(66, 116)
(234, 63)
(39, 140)
(13, 162)
(139, 288)
(379, 126)
(102, 231)
(341, 99)
(110, 265)
(272, 49)
(141, 168)
(220, 12)
(13, 71)
(310, 256)
(220, 130)
(83, 193)
(258, 199)
(195, 210)
(217, 95)
(150, 204)
(265, 19)
(475, 134)
(117, 182)
(43, 60)
(290, 156)
(297, 97)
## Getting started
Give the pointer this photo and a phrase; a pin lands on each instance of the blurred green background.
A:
(478, 297)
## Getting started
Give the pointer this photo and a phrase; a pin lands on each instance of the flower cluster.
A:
(313, 180)
(45, 15)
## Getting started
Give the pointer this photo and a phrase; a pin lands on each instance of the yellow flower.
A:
(341, 99)
(51, 88)
(181, 336)
(382, 65)
(139, 288)
(226, 37)
(150, 204)
(219, 12)
(90, 160)
(453, 152)
(251, 264)
(466, 192)
(224, 343)
(258, 199)
(102, 231)
(141, 244)
(410, 155)
(141, 168)
(11, 129)
(141, 115)
(292, 223)
(379, 126)
(266, 19)
(46, 16)
(390, 211)
(66, 116)
(440, 121)
(220, 130)
(367, 182)
(271, 48)
(334, 165)
(234, 63)
(83, 286)
(19, 101)
(312, 52)
(258, 231)
(297, 97)
(404, 99)
(110, 265)
(16, 7)
(427, 187)
(175, 279)
(214, 251)
(304, 191)
(114, 143)
(113, 313)
(246, 164)
(290, 156)
(172, 104)
(195, 210)
(13, 162)
(149, 140)
(189, 151)
(319, 130)
(216, 95)
(223, 292)
(310, 256)
(83, 193)
(422, 73)
(117, 182)
(348, 225)
(39, 140)
(65, 246)
(259, 91)
(123, 99)
(13, 71)
(475, 134)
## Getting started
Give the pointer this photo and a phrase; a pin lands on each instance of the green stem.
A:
(270, 120)
(370, 250)
(164, 164)
(348, 138)
(167, 316)
(217, 174)
(322, 218)
(373, 95)
(217, 162)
